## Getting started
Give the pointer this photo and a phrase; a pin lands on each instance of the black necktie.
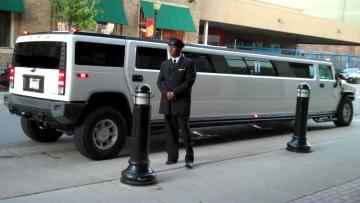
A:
(174, 61)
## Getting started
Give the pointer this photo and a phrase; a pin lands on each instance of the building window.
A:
(5, 21)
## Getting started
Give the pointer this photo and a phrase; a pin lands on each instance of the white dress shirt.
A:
(176, 59)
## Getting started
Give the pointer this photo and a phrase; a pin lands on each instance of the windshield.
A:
(39, 54)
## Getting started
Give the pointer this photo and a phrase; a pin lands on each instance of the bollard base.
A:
(138, 175)
(299, 145)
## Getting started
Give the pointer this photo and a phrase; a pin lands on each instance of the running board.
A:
(324, 119)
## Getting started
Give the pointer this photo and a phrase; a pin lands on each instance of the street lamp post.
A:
(157, 5)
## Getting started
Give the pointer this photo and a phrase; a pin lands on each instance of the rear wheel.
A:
(345, 113)
(102, 134)
(37, 133)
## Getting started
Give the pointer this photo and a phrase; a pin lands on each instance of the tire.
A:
(345, 113)
(33, 131)
(102, 134)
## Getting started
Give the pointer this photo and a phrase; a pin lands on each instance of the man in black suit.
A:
(176, 78)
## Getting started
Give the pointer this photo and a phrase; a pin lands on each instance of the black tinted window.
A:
(284, 69)
(266, 68)
(150, 58)
(253, 66)
(325, 72)
(299, 70)
(39, 54)
(237, 65)
(220, 64)
(202, 62)
(260, 67)
(95, 54)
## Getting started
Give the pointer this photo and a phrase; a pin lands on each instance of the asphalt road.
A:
(11, 134)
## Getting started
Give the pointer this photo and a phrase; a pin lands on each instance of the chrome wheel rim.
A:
(105, 134)
(347, 112)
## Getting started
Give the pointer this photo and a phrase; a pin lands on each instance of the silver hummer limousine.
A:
(81, 84)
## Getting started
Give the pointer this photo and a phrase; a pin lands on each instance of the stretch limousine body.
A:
(82, 84)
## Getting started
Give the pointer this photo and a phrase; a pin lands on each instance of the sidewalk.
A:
(349, 192)
(257, 170)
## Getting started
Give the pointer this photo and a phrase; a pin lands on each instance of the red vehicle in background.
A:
(4, 77)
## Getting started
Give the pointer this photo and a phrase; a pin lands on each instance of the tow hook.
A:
(42, 125)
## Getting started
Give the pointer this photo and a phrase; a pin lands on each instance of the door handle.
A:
(322, 85)
(137, 78)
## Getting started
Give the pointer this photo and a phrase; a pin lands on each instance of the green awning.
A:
(111, 11)
(170, 17)
(12, 5)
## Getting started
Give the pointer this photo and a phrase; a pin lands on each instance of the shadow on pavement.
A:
(215, 135)
(3, 89)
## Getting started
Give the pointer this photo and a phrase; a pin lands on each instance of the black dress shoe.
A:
(189, 164)
(169, 162)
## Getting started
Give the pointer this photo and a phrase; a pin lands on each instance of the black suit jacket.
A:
(178, 78)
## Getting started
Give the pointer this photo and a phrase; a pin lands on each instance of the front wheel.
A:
(102, 135)
(345, 113)
(37, 133)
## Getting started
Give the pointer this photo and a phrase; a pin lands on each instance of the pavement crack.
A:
(50, 155)
(7, 157)
(222, 160)
(12, 155)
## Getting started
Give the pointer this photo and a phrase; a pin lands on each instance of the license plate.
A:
(34, 83)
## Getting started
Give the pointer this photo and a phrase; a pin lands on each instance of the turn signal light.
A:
(82, 75)
(61, 83)
(12, 77)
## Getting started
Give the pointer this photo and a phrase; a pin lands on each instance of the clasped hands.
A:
(170, 96)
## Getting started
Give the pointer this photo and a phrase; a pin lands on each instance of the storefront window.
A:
(5, 19)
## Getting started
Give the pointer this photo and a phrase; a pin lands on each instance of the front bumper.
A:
(55, 113)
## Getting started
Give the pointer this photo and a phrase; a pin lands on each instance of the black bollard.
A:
(298, 142)
(138, 172)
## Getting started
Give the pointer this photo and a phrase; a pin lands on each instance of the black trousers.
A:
(174, 123)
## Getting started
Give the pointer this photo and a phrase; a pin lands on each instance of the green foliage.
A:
(76, 13)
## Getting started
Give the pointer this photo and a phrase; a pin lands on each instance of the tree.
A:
(75, 13)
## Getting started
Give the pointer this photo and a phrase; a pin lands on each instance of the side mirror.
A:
(338, 76)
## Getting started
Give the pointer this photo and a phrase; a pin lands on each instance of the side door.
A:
(102, 60)
(143, 66)
(329, 94)
(268, 92)
(291, 74)
(207, 99)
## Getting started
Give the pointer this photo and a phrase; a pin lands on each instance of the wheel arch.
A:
(344, 95)
(117, 100)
